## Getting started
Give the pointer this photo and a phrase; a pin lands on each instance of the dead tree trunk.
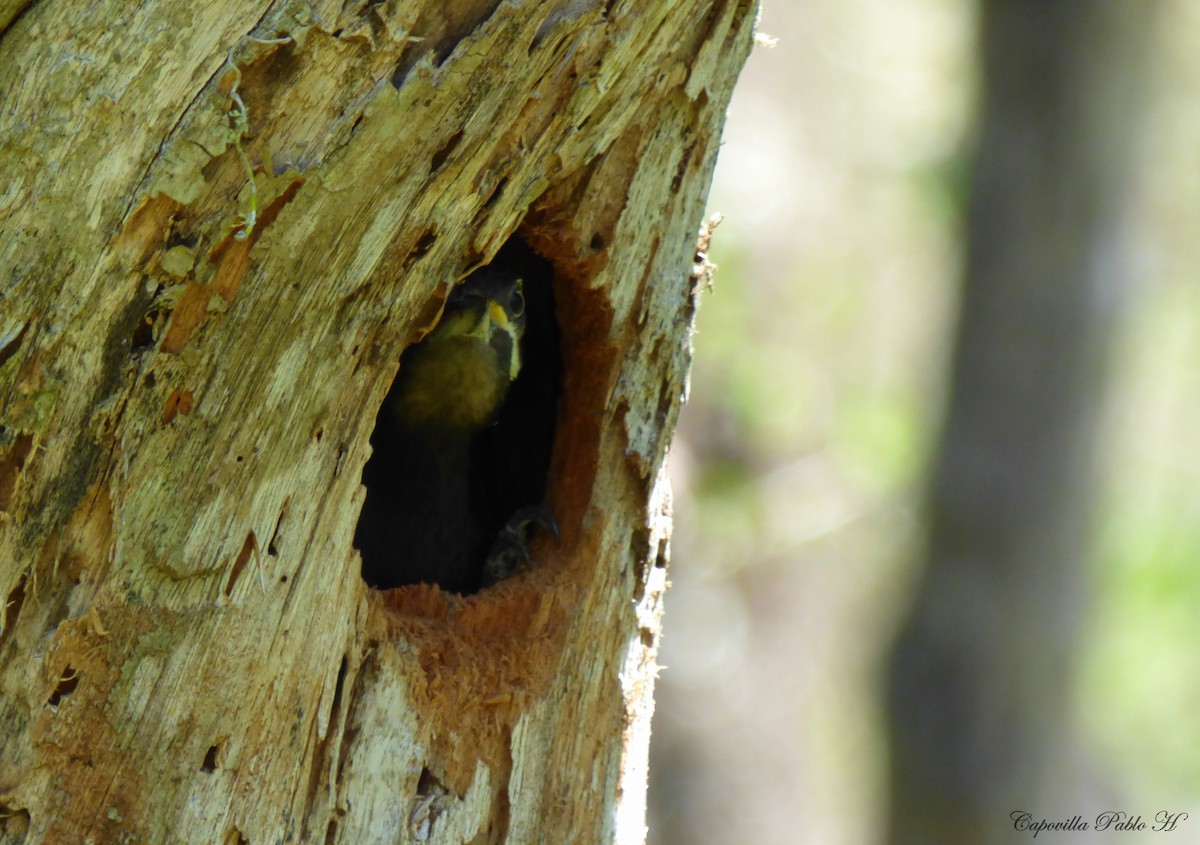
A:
(222, 223)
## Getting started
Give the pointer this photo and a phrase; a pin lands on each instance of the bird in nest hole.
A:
(442, 505)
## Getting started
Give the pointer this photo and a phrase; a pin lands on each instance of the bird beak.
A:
(488, 321)
(499, 318)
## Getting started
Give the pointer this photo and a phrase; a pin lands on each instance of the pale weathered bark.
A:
(188, 651)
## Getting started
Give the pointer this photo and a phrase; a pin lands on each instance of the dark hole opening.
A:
(428, 785)
(439, 157)
(339, 685)
(66, 685)
(143, 336)
(494, 195)
(273, 543)
(9, 347)
(439, 493)
(210, 759)
(424, 244)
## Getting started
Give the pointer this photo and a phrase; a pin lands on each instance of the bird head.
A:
(488, 307)
(455, 380)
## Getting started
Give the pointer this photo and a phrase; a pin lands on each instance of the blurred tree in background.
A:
(982, 679)
(825, 356)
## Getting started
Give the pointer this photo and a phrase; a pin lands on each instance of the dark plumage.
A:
(431, 514)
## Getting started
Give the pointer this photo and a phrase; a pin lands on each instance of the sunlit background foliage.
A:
(821, 357)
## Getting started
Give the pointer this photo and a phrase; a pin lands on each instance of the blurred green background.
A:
(822, 358)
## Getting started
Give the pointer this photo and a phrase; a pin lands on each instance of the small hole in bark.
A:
(598, 243)
(143, 336)
(494, 196)
(249, 547)
(439, 494)
(210, 759)
(444, 52)
(66, 685)
(668, 398)
(9, 346)
(338, 689)
(273, 543)
(682, 169)
(428, 784)
(180, 401)
(439, 158)
(423, 245)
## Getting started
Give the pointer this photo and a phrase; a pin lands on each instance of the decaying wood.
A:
(191, 363)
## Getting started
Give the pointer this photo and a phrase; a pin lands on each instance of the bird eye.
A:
(516, 301)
